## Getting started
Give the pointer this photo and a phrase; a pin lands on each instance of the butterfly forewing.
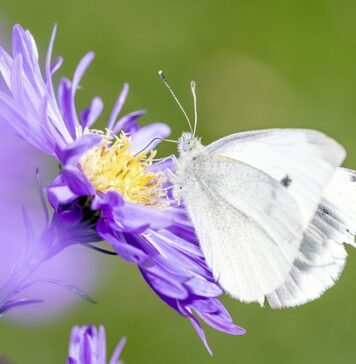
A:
(303, 160)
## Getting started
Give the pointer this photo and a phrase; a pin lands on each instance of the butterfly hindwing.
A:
(322, 255)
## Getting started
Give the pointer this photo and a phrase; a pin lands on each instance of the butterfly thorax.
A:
(189, 147)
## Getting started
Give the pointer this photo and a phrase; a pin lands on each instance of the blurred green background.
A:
(257, 64)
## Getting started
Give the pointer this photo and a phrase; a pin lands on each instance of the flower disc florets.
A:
(111, 166)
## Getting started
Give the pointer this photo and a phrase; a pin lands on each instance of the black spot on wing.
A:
(324, 211)
(286, 181)
(353, 176)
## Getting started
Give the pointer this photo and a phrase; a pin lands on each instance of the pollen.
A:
(111, 166)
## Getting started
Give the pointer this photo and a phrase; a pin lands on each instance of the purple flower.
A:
(88, 346)
(109, 185)
(13, 195)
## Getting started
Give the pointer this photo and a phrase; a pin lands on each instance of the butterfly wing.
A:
(337, 210)
(303, 160)
(249, 236)
(322, 255)
(250, 197)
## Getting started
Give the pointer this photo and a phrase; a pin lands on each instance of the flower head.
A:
(88, 346)
(109, 182)
(112, 166)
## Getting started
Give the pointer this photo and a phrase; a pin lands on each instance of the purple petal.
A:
(145, 136)
(207, 305)
(20, 123)
(101, 345)
(175, 257)
(54, 131)
(66, 95)
(198, 329)
(72, 154)
(91, 114)
(60, 194)
(116, 355)
(184, 232)
(56, 65)
(66, 103)
(118, 106)
(87, 349)
(24, 44)
(74, 343)
(215, 321)
(119, 243)
(67, 92)
(177, 243)
(165, 284)
(17, 78)
(128, 123)
(81, 69)
(134, 216)
(5, 67)
(203, 287)
(107, 201)
(49, 71)
(131, 254)
(77, 181)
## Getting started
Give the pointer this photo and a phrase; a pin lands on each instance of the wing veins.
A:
(247, 216)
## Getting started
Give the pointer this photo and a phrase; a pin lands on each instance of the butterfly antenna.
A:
(192, 87)
(164, 80)
(152, 141)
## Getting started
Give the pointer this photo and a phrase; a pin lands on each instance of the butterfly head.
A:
(188, 142)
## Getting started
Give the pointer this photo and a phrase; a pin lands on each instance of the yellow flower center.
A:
(111, 166)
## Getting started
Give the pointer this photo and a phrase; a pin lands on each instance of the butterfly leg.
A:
(172, 177)
(162, 160)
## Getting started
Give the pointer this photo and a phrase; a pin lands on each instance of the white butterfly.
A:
(271, 210)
